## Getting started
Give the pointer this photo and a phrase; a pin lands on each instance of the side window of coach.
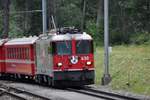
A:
(27, 53)
(8, 52)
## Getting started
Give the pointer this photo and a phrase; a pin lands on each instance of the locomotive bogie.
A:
(74, 78)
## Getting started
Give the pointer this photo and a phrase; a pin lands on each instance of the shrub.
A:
(97, 34)
(140, 38)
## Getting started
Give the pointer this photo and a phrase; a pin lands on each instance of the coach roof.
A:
(2, 41)
(20, 41)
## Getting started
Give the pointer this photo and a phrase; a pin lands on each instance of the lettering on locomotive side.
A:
(85, 58)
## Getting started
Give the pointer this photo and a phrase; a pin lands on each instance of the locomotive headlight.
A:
(88, 62)
(59, 64)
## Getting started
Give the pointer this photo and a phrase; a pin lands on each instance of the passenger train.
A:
(62, 58)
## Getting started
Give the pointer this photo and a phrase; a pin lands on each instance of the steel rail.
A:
(8, 90)
(31, 93)
(111, 94)
(12, 94)
(102, 94)
(91, 94)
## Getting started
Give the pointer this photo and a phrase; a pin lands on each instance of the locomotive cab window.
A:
(84, 47)
(61, 47)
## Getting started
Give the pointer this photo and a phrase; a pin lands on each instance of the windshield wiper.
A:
(79, 43)
(66, 44)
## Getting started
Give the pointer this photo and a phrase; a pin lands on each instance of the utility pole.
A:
(44, 13)
(83, 15)
(106, 77)
(5, 15)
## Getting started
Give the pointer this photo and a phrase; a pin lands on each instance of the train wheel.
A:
(19, 76)
(49, 81)
(39, 79)
(36, 79)
(45, 79)
(16, 76)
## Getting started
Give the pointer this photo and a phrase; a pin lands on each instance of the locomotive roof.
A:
(20, 41)
(62, 37)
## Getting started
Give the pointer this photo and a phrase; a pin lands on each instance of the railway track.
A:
(3, 91)
(21, 94)
(102, 94)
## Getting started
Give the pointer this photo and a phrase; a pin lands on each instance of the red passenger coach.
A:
(20, 55)
(2, 56)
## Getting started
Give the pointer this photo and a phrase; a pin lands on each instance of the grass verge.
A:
(129, 68)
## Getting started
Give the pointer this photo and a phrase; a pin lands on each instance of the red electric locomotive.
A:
(73, 59)
(65, 59)
(55, 59)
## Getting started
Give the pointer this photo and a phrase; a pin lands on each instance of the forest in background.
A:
(129, 20)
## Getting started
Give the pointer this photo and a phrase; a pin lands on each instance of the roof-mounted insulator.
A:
(69, 30)
(84, 33)
(34, 36)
